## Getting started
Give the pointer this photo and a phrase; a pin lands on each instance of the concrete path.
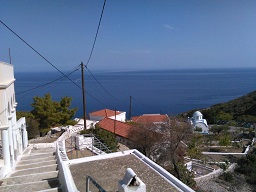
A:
(36, 171)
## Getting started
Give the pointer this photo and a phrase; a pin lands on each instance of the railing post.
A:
(88, 178)
(87, 183)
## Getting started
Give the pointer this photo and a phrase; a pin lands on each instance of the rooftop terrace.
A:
(109, 169)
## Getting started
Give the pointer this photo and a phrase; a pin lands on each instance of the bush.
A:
(227, 177)
(247, 166)
(223, 166)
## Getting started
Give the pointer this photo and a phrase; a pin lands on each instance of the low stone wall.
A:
(215, 173)
(209, 176)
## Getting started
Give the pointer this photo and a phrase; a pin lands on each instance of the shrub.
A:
(247, 166)
(227, 177)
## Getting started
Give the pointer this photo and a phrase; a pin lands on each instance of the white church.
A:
(197, 121)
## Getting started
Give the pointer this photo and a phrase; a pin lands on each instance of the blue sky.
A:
(134, 34)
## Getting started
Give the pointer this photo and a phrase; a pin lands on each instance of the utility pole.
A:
(10, 58)
(115, 123)
(83, 90)
(130, 108)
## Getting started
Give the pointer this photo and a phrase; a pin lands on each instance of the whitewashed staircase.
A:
(36, 171)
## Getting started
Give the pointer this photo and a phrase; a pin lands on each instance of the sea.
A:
(144, 92)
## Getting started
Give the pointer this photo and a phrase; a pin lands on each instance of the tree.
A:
(193, 150)
(247, 118)
(185, 175)
(144, 139)
(165, 144)
(223, 116)
(225, 140)
(219, 129)
(176, 133)
(51, 113)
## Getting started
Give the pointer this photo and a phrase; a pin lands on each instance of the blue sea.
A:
(164, 91)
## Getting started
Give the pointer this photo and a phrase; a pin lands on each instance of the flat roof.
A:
(108, 172)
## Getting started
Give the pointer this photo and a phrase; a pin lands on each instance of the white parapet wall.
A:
(84, 142)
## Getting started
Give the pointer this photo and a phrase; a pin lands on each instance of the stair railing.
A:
(88, 179)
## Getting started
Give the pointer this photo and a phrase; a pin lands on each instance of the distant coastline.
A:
(154, 91)
(106, 71)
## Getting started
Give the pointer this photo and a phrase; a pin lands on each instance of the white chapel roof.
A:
(197, 113)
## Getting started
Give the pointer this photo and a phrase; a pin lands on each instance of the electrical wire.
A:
(49, 85)
(48, 60)
(141, 102)
(94, 42)
(39, 86)
(64, 75)
(38, 53)
(102, 85)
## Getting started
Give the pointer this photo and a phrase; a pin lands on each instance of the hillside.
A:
(242, 109)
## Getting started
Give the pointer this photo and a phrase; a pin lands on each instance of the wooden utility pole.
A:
(130, 109)
(115, 123)
(10, 58)
(83, 90)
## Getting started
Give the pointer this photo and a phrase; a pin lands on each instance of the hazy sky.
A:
(134, 34)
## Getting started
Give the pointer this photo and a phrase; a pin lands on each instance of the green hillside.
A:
(241, 110)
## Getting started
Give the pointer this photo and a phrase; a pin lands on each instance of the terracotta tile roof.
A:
(105, 113)
(150, 118)
(122, 129)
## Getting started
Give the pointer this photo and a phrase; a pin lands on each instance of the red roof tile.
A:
(148, 118)
(122, 129)
(105, 113)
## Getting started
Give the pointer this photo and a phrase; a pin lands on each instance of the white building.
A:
(99, 115)
(197, 121)
(13, 134)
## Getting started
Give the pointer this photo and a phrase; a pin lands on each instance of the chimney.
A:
(131, 183)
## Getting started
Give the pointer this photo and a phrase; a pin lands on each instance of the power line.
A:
(38, 53)
(53, 64)
(141, 103)
(39, 86)
(102, 85)
(96, 33)
(43, 86)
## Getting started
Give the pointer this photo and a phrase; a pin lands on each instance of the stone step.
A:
(29, 178)
(36, 156)
(44, 150)
(33, 186)
(35, 170)
(52, 190)
(28, 161)
(34, 165)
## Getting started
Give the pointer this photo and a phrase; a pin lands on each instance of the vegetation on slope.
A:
(241, 110)
(247, 166)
